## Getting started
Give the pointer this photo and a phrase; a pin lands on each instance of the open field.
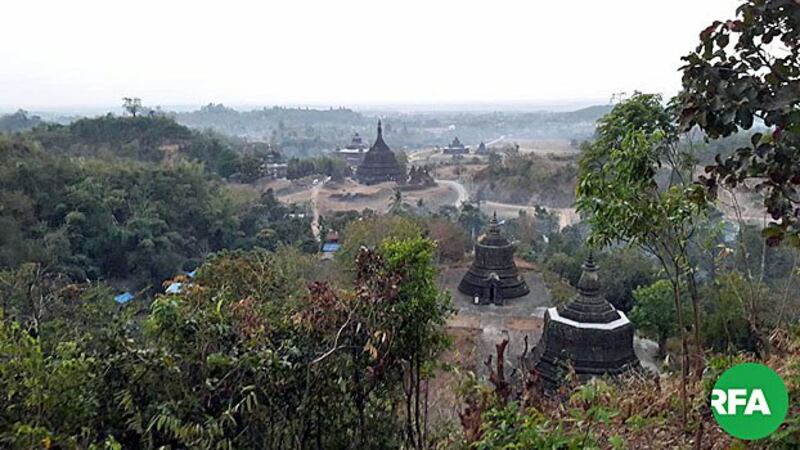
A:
(349, 195)
(541, 146)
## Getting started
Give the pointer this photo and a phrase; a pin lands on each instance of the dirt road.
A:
(566, 216)
(463, 195)
(315, 211)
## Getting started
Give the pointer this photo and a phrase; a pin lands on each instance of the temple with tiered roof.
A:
(353, 153)
(456, 148)
(587, 334)
(493, 277)
(379, 164)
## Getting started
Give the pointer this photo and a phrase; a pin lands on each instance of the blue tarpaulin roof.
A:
(330, 247)
(174, 288)
(125, 297)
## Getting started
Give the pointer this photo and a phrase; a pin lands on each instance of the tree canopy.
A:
(745, 73)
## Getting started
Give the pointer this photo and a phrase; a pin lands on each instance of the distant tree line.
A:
(152, 138)
(18, 121)
(322, 165)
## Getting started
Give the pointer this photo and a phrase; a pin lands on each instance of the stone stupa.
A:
(493, 277)
(587, 334)
(379, 164)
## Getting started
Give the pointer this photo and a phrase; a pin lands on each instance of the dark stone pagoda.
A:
(587, 334)
(493, 276)
(456, 148)
(482, 149)
(379, 164)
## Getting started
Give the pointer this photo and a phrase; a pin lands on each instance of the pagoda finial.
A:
(380, 129)
(494, 226)
(589, 282)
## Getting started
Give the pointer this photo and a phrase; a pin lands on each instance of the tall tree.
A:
(132, 105)
(619, 190)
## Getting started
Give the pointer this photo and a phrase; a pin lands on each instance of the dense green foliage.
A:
(142, 138)
(246, 357)
(91, 218)
(529, 179)
(267, 223)
(370, 231)
(654, 312)
(624, 269)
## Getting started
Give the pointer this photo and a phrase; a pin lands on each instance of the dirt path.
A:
(463, 195)
(315, 211)
(566, 216)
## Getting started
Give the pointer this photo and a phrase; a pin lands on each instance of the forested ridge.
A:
(307, 131)
(117, 218)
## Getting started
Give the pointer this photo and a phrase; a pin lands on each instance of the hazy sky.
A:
(343, 52)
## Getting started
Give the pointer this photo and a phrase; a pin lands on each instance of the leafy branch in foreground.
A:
(745, 73)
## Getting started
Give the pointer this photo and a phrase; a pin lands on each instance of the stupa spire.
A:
(589, 282)
(587, 335)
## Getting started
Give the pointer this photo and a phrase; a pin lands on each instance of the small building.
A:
(275, 170)
(353, 153)
(482, 149)
(456, 148)
(380, 164)
(493, 277)
(331, 245)
(587, 334)
(123, 298)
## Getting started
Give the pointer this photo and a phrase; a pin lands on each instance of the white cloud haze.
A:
(343, 52)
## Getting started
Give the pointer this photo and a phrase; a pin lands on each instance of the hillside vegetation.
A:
(99, 218)
(529, 179)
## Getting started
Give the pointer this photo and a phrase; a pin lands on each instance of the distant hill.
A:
(589, 113)
(308, 132)
(142, 138)
(264, 122)
(296, 132)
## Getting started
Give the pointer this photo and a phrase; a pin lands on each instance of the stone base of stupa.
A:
(487, 325)
(588, 349)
